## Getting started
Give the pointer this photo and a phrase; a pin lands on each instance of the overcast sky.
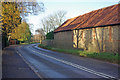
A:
(72, 7)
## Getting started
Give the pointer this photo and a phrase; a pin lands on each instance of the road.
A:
(50, 64)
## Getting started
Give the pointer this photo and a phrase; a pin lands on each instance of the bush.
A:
(50, 35)
(22, 41)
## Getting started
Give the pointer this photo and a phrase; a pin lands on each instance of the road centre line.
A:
(78, 66)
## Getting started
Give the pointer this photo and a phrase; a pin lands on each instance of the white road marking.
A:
(34, 70)
(77, 66)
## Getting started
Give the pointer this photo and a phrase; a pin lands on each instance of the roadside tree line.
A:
(13, 20)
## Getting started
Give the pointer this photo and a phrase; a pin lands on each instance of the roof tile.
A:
(104, 16)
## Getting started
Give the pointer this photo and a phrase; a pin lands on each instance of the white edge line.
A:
(77, 66)
(33, 69)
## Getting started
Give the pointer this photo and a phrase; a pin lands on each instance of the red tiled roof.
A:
(100, 17)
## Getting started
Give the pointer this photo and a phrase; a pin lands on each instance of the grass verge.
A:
(110, 57)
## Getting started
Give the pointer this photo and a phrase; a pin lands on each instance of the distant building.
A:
(37, 38)
(13, 41)
(96, 31)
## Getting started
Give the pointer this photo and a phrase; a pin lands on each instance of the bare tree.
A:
(46, 25)
(41, 33)
(25, 7)
(60, 17)
(51, 22)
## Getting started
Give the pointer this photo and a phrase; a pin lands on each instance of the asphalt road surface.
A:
(50, 64)
(14, 67)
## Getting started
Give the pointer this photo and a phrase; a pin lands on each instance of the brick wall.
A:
(100, 39)
(48, 42)
(63, 39)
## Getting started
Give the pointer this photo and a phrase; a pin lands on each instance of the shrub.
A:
(50, 35)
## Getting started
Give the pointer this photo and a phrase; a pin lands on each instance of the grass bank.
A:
(110, 57)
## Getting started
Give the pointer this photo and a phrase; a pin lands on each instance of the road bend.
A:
(51, 64)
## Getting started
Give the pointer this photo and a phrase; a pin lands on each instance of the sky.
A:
(72, 7)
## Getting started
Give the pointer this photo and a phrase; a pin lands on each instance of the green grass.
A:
(110, 57)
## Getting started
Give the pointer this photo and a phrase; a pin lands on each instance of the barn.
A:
(96, 31)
